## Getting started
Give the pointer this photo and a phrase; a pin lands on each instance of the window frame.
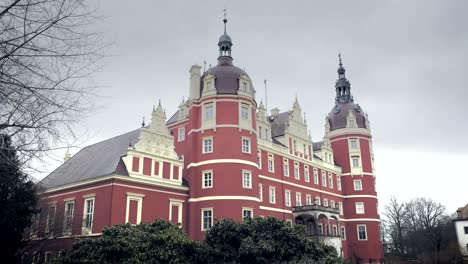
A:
(358, 185)
(286, 167)
(204, 186)
(287, 198)
(260, 192)
(316, 177)
(308, 199)
(209, 224)
(298, 199)
(68, 231)
(330, 180)
(272, 194)
(50, 220)
(271, 163)
(87, 226)
(343, 233)
(206, 113)
(359, 234)
(306, 173)
(181, 134)
(297, 171)
(359, 206)
(247, 209)
(246, 148)
(324, 179)
(204, 148)
(249, 173)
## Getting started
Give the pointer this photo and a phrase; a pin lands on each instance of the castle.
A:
(221, 155)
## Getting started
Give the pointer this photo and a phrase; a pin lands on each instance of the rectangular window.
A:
(317, 200)
(324, 179)
(88, 214)
(134, 208)
(325, 202)
(181, 134)
(207, 179)
(286, 167)
(68, 217)
(209, 111)
(316, 177)
(207, 145)
(50, 223)
(297, 176)
(298, 199)
(306, 174)
(362, 232)
(260, 192)
(287, 198)
(357, 185)
(259, 129)
(320, 229)
(332, 204)
(354, 143)
(340, 206)
(330, 180)
(343, 233)
(271, 165)
(247, 179)
(247, 213)
(272, 192)
(338, 183)
(355, 160)
(245, 112)
(466, 229)
(308, 199)
(259, 159)
(207, 218)
(35, 225)
(246, 145)
(335, 230)
(359, 207)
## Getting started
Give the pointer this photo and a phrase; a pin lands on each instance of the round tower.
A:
(347, 127)
(222, 166)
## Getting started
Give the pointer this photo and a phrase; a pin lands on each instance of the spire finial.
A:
(143, 122)
(339, 58)
(224, 20)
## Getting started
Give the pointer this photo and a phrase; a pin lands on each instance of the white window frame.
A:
(245, 115)
(259, 159)
(324, 179)
(357, 185)
(298, 199)
(325, 202)
(204, 180)
(365, 232)
(246, 184)
(343, 233)
(50, 220)
(330, 180)
(247, 209)
(181, 134)
(354, 144)
(177, 203)
(332, 204)
(86, 230)
(211, 147)
(67, 231)
(340, 206)
(358, 162)
(335, 230)
(260, 192)
(316, 176)
(360, 208)
(308, 199)
(306, 173)
(139, 199)
(317, 201)
(272, 194)
(286, 167)
(338, 182)
(287, 198)
(206, 106)
(297, 172)
(210, 224)
(271, 162)
(246, 147)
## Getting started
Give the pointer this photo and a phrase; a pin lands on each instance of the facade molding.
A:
(360, 220)
(223, 197)
(275, 209)
(349, 130)
(218, 161)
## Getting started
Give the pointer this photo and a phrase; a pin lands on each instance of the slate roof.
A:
(173, 118)
(94, 161)
(278, 124)
(337, 116)
(227, 76)
(317, 145)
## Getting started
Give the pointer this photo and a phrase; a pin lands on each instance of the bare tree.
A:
(47, 52)
(396, 214)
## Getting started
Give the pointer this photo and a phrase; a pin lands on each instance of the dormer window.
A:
(209, 85)
(209, 111)
(245, 112)
(244, 86)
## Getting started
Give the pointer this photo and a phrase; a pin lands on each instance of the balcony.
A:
(315, 208)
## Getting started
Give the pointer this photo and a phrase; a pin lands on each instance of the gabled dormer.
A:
(263, 126)
(209, 87)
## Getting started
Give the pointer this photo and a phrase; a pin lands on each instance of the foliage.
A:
(419, 230)
(17, 201)
(47, 53)
(157, 242)
(263, 240)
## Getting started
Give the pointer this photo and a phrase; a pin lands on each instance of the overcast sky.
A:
(406, 61)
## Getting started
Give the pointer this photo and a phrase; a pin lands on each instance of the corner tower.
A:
(219, 142)
(347, 128)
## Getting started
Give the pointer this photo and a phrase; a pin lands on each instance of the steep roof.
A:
(317, 145)
(94, 161)
(173, 118)
(279, 123)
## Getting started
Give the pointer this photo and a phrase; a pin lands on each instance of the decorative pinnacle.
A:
(224, 20)
(339, 58)
(143, 122)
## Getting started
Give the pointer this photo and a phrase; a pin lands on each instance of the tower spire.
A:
(342, 85)
(224, 20)
(225, 41)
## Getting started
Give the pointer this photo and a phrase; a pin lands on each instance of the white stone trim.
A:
(134, 197)
(178, 204)
(316, 190)
(360, 220)
(216, 161)
(223, 197)
(275, 209)
(349, 130)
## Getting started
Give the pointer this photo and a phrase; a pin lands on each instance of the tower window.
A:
(286, 167)
(271, 167)
(357, 185)
(247, 213)
(354, 143)
(362, 232)
(306, 174)
(359, 207)
(330, 180)
(355, 160)
(316, 177)
(246, 145)
(244, 86)
(297, 176)
(247, 179)
(207, 179)
(181, 134)
(209, 111)
(207, 218)
(245, 112)
(207, 145)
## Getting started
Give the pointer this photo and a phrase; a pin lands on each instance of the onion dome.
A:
(227, 76)
(344, 104)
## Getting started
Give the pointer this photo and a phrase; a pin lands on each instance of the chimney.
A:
(195, 82)
(274, 111)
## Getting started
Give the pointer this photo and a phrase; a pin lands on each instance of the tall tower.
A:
(221, 144)
(347, 127)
